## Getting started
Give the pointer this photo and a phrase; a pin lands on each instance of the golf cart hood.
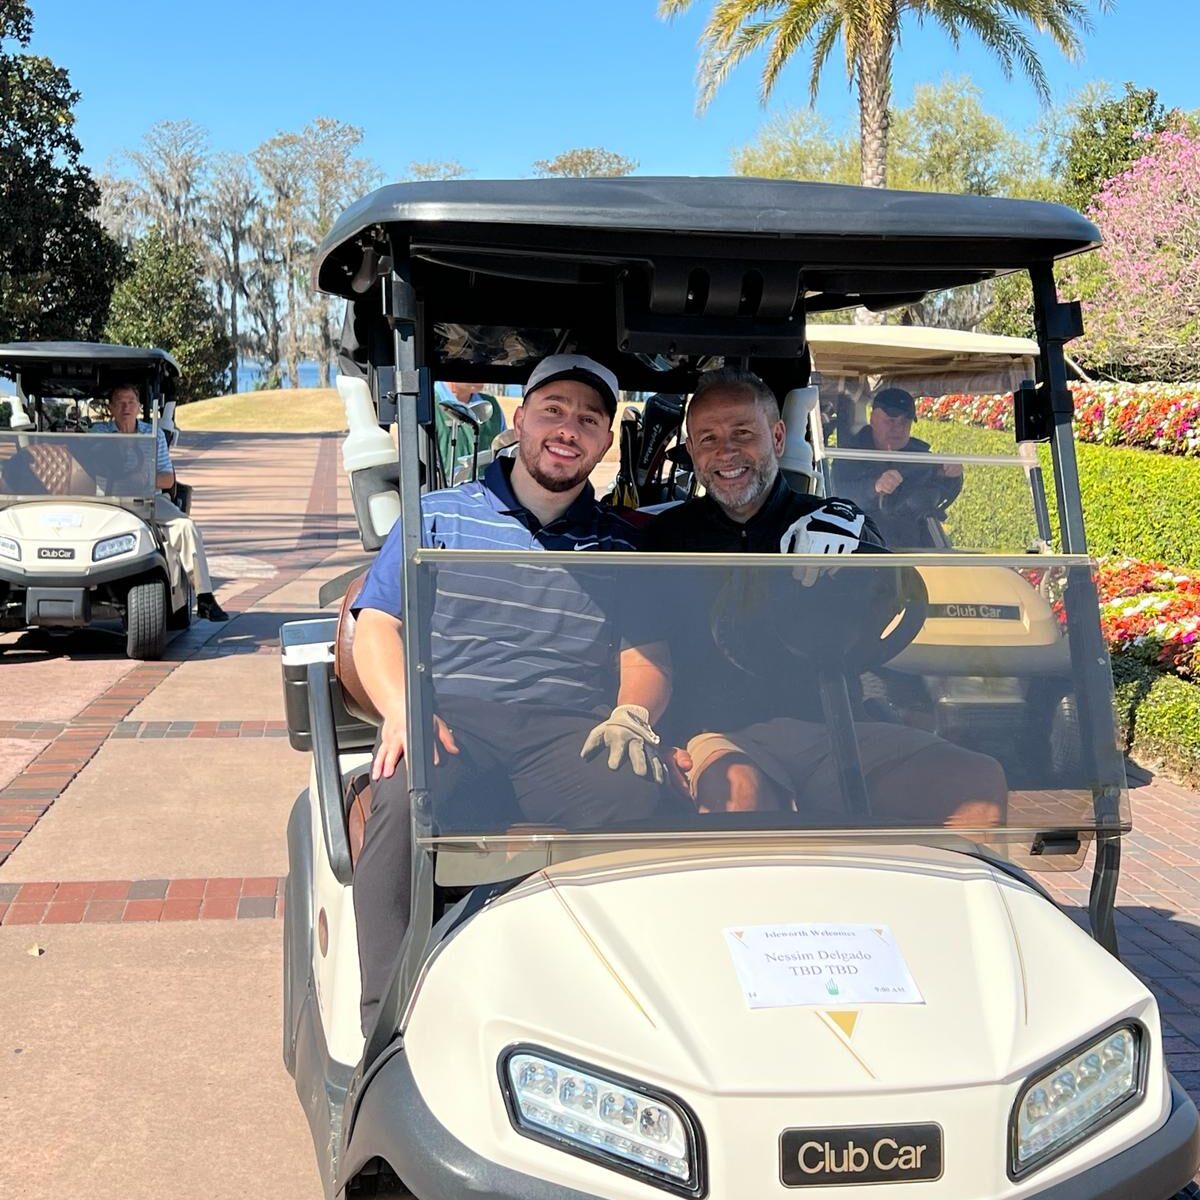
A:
(632, 969)
(79, 521)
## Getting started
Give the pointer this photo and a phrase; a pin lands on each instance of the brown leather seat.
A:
(46, 469)
(354, 695)
(357, 798)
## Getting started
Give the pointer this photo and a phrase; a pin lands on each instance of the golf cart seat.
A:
(181, 496)
(47, 470)
(354, 694)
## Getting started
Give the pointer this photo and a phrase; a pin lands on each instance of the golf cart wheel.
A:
(1065, 759)
(146, 620)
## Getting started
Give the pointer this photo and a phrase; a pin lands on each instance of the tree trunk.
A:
(293, 319)
(235, 254)
(874, 72)
(874, 77)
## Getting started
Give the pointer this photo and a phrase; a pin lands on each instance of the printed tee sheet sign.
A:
(817, 963)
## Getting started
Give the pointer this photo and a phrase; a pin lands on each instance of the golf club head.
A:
(661, 420)
(461, 413)
(482, 410)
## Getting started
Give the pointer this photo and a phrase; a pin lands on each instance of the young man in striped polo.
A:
(525, 662)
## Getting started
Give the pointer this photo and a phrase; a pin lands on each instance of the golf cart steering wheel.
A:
(756, 616)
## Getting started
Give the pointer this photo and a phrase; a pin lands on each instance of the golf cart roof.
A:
(75, 368)
(923, 360)
(507, 271)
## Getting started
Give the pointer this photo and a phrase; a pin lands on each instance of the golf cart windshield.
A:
(913, 424)
(92, 466)
(880, 697)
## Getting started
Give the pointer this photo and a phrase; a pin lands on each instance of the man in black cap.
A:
(899, 493)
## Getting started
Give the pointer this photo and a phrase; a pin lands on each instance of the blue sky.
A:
(497, 86)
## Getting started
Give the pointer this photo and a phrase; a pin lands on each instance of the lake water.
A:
(248, 374)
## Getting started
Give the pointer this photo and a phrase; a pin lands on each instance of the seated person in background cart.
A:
(180, 529)
(898, 494)
(741, 754)
(462, 440)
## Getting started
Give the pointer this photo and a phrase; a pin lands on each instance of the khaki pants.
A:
(184, 538)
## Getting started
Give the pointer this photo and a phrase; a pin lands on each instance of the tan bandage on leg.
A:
(705, 750)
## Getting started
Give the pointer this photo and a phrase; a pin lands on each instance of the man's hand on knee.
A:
(628, 734)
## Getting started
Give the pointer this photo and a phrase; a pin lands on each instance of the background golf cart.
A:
(77, 542)
(656, 278)
(1023, 684)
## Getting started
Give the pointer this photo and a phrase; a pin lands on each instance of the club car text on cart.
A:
(976, 612)
(56, 552)
(862, 1154)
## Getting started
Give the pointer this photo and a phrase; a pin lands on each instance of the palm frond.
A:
(825, 37)
(793, 28)
(719, 58)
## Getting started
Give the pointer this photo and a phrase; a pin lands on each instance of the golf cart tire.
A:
(146, 620)
(1065, 761)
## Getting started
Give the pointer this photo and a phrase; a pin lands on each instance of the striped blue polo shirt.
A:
(515, 632)
(162, 455)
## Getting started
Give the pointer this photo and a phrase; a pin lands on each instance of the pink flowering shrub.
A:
(1141, 289)
(1148, 416)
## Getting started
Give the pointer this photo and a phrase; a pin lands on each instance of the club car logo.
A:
(865, 1154)
(55, 552)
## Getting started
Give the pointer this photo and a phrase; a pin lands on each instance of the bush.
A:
(1159, 717)
(1135, 502)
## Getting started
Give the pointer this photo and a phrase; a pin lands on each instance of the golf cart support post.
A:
(474, 281)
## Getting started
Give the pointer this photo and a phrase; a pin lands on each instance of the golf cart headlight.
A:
(619, 1123)
(1060, 1108)
(114, 545)
(10, 548)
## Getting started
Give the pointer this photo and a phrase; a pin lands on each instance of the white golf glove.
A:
(628, 732)
(834, 528)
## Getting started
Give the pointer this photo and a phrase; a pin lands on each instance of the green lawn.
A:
(1135, 502)
(283, 410)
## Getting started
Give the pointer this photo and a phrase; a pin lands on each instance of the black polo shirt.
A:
(701, 527)
(710, 693)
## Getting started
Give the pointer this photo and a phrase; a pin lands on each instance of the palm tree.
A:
(870, 32)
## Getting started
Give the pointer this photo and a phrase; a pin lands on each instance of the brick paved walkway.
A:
(99, 852)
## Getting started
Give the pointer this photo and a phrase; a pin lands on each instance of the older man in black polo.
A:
(759, 743)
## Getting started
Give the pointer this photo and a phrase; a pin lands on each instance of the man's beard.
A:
(552, 483)
(756, 483)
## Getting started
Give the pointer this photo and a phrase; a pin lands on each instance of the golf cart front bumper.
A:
(86, 575)
(393, 1122)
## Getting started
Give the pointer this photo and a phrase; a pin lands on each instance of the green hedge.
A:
(1159, 717)
(1135, 502)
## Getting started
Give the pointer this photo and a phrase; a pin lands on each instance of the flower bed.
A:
(1147, 416)
(1148, 612)
(1152, 613)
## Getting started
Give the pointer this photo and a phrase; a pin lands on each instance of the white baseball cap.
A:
(575, 366)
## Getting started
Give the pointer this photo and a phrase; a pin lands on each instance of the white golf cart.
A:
(854, 991)
(77, 542)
